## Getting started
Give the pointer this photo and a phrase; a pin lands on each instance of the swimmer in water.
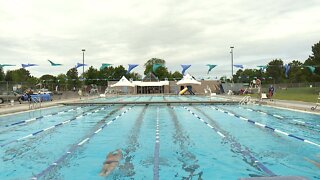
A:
(313, 162)
(111, 162)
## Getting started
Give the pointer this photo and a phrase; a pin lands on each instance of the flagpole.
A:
(83, 50)
(231, 61)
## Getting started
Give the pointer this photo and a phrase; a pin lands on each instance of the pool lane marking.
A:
(262, 112)
(245, 153)
(156, 151)
(46, 129)
(206, 123)
(308, 123)
(37, 118)
(74, 147)
(270, 128)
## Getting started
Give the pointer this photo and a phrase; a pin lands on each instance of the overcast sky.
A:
(121, 32)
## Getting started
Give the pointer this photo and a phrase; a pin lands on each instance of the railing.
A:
(35, 102)
(245, 100)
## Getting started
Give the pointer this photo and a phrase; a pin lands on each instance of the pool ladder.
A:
(35, 103)
(245, 100)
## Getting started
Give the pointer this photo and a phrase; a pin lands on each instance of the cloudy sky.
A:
(120, 32)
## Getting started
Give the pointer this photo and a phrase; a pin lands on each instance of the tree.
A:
(314, 60)
(161, 72)
(175, 75)
(119, 72)
(134, 76)
(72, 76)
(91, 75)
(61, 78)
(48, 77)
(18, 75)
(2, 75)
(48, 81)
(297, 72)
(275, 70)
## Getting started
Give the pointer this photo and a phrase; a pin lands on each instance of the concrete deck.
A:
(151, 102)
(72, 99)
(7, 108)
(295, 105)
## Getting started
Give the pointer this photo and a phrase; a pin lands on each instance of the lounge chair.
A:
(264, 96)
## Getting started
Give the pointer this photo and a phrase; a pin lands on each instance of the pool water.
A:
(159, 141)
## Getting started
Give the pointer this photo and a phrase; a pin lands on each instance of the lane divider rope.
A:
(156, 151)
(40, 117)
(49, 128)
(262, 112)
(74, 147)
(281, 117)
(267, 127)
(245, 152)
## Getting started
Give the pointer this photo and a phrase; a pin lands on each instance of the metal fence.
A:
(20, 87)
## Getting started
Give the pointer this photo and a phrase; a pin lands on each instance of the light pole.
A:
(231, 61)
(83, 50)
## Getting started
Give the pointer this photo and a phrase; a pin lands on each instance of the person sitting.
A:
(112, 161)
(29, 92)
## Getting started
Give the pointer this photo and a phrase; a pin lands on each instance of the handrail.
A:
(245, 100)
(35, 102)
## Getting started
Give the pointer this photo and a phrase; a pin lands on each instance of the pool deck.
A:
(75, 100)
(25, 106)
(286, 104)
(152, 102)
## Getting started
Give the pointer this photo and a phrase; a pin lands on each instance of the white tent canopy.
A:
(188, 80)
(123, 82)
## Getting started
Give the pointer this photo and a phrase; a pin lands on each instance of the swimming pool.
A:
(159, 141)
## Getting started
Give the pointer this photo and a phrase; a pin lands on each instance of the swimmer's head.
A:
(116, 152)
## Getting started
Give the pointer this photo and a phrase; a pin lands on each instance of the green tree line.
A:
(275, 70)
(274, 73)
(91, 76)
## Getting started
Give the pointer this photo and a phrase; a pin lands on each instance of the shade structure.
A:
(188, 80)
(123, 82)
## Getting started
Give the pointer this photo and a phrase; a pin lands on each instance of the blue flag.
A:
(238, 66)
(184, 68)
(28, 65)
(286, 68)
(79, 65)
(131, 66)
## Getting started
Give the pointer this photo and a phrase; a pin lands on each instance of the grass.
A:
(298, 94)
(305, 94)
